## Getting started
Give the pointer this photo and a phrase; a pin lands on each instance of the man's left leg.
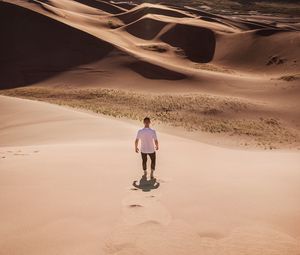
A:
(153, 163)
(144, 162)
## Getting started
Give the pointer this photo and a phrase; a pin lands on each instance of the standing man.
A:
(148, 139)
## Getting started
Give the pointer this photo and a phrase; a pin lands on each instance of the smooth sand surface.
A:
(66, 188)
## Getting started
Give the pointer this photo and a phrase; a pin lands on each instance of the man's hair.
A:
(147, 119)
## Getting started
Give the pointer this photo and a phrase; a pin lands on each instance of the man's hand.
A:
(156, 147)
(136, 144)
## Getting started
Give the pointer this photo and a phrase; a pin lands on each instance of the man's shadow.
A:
(146, 185)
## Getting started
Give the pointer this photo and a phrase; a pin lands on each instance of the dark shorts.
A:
(153, 160)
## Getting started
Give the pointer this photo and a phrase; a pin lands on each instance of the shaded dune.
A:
(237, 23)
(41, 47)
(217, 20)
(103, 6)
(198, 43)
(243, 25)
(146, 28)
(138, 13)
(36, 47)
(154, 72)
(268, 32)
(262, 49)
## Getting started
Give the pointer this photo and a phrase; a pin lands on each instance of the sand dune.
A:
(145, 9)
(70, 180)
(190, 36)
(155, 48)
(43, 47)
(62, 190)
(103, 5)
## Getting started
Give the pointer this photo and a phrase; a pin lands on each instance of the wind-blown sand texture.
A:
(66, 189)
(70, 180)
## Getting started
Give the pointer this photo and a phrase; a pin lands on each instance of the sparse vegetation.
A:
(213, 68)
(290, 77)
(194, 112)
(155, 47)
(113, 24)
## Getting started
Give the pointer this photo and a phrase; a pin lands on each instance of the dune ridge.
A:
(185, 24)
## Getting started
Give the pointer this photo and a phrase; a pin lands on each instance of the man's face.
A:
(147, 122)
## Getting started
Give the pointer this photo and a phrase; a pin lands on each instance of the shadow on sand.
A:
(146, 185)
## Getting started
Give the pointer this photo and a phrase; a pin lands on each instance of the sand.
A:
(70, 180)
(153, 48)
(66, 187)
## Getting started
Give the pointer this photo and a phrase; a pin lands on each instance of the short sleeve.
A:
(138, 135)
(154, 135)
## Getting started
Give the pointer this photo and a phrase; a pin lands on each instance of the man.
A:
(148, 140)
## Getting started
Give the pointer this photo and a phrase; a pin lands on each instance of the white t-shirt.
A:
(147, 136)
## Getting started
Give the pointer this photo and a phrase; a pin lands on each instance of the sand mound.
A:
(102, 5)
(42, 47)
(145, 28)
(254, 50)
(198, 43)
(142, 10)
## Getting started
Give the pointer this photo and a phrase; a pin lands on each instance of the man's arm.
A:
(156, 144)
(136, 143)
(155, 140)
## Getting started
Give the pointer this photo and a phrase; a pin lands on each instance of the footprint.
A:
(135, 205)
(147, 208)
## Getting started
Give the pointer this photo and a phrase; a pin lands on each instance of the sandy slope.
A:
(248, 50)
(66, 188)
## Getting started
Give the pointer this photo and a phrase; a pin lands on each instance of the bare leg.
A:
(153, 162)
(152, 174)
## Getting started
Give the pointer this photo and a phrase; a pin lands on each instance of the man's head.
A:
(147, 122)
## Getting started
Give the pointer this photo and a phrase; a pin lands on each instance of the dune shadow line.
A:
(154, 72)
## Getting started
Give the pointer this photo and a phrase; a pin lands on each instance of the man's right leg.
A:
(144, 161)
(153, 162)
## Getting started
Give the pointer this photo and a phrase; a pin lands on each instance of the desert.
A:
(77, 78)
